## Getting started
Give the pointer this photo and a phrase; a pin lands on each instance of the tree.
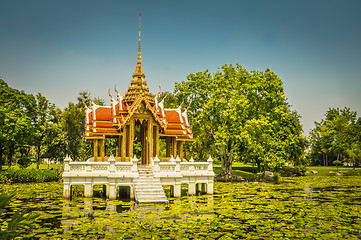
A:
(27, 121)
(73, 122)
(236, 114)
(15, 124)
(42, 123)
(336, 138)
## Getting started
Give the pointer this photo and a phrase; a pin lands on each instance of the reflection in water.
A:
(197, 206)
(244, 207)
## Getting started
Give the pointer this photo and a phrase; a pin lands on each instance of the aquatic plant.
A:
(21, 219)
(304, 207)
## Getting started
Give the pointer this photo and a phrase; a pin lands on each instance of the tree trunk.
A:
(227, 164)
(326, 161)
(11, 153)
(258, 165)
(1, 156)
(38, 157)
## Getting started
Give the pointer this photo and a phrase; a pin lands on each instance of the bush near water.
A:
(30, 175)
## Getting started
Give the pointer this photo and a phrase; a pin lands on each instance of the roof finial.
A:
(140, 14)
(139, 68)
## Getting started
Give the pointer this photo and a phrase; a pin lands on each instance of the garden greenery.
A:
(30, 175)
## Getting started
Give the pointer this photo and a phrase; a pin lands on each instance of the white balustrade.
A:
(111, 166)
(111, 173)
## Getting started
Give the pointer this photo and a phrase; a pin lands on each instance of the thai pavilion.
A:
(138, 113)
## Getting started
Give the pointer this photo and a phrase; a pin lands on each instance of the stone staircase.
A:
(148, 189)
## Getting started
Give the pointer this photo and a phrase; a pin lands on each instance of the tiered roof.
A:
(107, 121)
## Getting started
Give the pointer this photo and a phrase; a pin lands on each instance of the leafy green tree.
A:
(236, 114)
(336, 163)
(15, 122)
(42, 122)
(336, 137)
(73, 122)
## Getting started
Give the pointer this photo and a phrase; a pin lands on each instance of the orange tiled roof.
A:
(107, 121)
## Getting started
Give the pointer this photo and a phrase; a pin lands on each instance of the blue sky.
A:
(60, 48)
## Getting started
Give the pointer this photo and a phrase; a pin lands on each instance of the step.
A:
(153, 196)
(150, 195)
(142, 192)
(147, 188)
(153, 201)
(150, 189)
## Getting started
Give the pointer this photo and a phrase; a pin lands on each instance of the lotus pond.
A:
(309, 207)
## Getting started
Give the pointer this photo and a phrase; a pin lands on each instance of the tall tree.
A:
(73, 122)
(15, 122)
(336, 137)
(241, 115)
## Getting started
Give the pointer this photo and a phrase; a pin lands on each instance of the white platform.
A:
(113, 174)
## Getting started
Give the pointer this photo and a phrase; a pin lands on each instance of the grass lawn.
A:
(246, 169)
(324, 170)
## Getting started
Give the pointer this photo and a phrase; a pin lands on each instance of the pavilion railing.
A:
(175, 165)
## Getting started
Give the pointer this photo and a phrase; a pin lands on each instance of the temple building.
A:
(140, 111)
(138, 116)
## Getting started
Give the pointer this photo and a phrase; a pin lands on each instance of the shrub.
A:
(277, 178)
(24, 162)
(353, 172)
(4, 179)
(299, 170)
(253, 178)
(32, 175)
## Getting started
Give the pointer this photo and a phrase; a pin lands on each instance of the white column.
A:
(88, 190)
(107, 191)
(132, 195)
(112, 191)
(191, 188)
(210, 187)
(66, 191)
(177, 190)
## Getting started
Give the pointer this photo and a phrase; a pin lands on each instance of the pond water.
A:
(307, 207)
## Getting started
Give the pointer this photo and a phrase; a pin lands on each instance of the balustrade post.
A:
(111, 161)
(135, 163)
(210, 164)
(177, 165)
(156, 164)
(191, 167)
(88, 167)
(67, 160)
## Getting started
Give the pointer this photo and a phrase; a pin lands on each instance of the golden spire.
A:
(139, 68)
(138, 86)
